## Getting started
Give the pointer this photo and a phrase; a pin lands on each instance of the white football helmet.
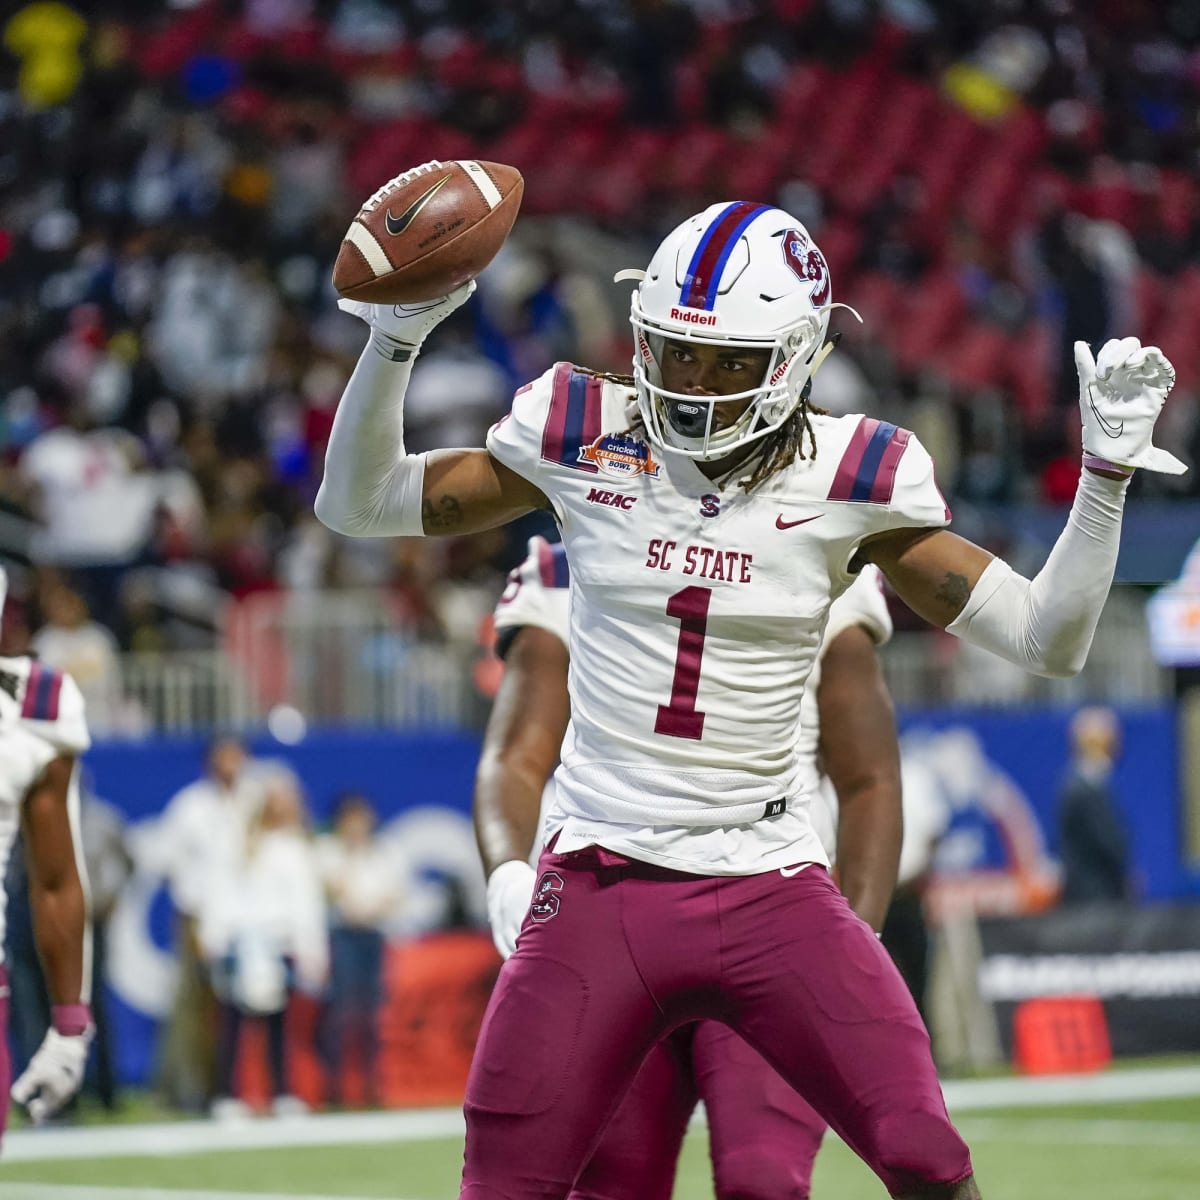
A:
(738, 275)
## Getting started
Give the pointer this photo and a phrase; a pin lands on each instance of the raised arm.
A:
(1046, 624)
(371, 486)
(520, 750)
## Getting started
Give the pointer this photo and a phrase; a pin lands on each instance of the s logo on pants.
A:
(545, 902)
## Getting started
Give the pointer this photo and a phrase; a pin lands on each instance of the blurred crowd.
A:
(989, 182)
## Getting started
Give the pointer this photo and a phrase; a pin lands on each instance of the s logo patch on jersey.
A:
(545, 903)
(710, 505)
(621, 456)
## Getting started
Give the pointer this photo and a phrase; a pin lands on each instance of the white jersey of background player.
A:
(538, 594)
(43, 730)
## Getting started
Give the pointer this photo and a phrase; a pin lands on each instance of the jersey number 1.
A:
(680, 718)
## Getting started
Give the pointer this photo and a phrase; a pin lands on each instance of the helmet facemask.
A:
(686, 423)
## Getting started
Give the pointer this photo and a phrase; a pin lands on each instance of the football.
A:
(428, 231)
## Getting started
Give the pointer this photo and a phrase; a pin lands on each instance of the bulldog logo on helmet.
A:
(808, 263)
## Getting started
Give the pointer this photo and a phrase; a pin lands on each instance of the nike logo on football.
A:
(397, 225)
(780, 523)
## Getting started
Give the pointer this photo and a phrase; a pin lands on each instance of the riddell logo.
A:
(691, 317)
(779, 372)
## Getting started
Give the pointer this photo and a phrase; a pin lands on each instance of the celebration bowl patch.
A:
(620, 455)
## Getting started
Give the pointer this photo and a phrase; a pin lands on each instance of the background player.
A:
(763, 1136)
(698, 603)
(42, 731)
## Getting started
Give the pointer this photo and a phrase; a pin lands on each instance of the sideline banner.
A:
(1142, 963)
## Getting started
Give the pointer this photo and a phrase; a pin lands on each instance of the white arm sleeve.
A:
(1046, 625)
(371, 488)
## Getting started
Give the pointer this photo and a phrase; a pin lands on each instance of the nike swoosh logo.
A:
(1113, 431)
(780, 523)
(397, 225)
(788, 872)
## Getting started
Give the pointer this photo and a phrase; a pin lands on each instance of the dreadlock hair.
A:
(781, 448)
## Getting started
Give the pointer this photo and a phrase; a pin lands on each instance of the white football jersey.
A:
(538, 593)
(696, 614)
(41, 717)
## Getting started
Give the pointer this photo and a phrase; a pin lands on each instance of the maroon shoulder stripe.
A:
(42, 691)
(885, 477)
(573, 419)
(867, 471)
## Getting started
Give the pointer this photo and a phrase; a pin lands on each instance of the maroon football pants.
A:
(763, 1135)
(617, 953)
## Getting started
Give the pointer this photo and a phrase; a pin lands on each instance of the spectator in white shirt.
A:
(202, 829)
(363, 894)
(70, 641)
(264, 931)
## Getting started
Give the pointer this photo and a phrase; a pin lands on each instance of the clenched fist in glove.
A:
(1121, 393)
(509, 892)
(397, 330)
(54, 1074)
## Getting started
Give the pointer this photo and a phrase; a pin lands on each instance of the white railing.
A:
(346, 658)
(924, 669)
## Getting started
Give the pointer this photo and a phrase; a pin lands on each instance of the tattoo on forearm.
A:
(954, 592)
(442, 515)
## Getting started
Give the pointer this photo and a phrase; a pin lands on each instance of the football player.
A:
(42, 732)
(711, 515)
(763, 1136)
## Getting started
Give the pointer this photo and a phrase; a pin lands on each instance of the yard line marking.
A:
(341, 1129)
(1162, 1083)
(968, 1095)
(197, 1137)
(1081, 1131)
(64, 1191)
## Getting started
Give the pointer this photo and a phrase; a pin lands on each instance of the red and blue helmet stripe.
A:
(703, 275)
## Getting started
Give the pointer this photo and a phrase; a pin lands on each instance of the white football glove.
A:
(397, 330)
(1121, 393)
(509, 892)
(54, 1074)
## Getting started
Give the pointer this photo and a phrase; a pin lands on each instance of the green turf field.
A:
(1132, 1151)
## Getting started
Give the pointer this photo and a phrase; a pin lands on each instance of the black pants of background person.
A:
(101, 1077)
(231, 1021)
(906, 939)
(28, 1005)
(355, 992)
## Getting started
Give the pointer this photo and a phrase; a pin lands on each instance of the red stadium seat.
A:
(876, 296)
(976, 358)
(1030, 371)
(931, 317)
(887, 146)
